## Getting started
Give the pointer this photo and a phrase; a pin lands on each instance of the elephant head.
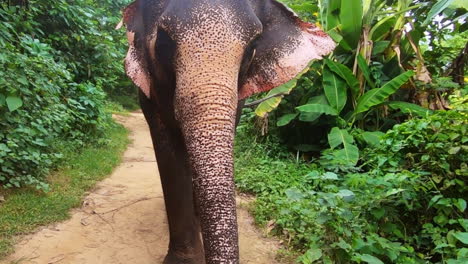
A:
(211, 54)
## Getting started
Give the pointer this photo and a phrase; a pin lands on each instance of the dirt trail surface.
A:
(123, 219)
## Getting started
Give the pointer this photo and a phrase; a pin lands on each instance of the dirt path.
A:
(123, 220)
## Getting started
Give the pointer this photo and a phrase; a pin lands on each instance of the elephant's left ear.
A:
(284, 48)
(135, 62)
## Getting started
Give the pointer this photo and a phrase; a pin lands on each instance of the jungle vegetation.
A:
(61, 73)
(59, 61)
(363, 158)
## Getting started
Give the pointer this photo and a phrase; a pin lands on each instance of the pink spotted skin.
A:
(194, 62)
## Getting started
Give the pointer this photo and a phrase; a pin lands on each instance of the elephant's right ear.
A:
(136, 65)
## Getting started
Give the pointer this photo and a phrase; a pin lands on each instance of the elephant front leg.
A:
(185, 246)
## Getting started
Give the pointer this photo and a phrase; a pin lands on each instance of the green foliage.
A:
(318, 109)
(434, 145)
(377, 76)
(269, 105)
(347, 155)
(24, 210)
(409, 108)
(346, 74)
(434, 148)
(57, 58)
(405, 204)
(373, 192)
(351, 21)
(440, 6)
(335, 90)
(377, 96)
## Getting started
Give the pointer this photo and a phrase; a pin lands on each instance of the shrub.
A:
(53, 111)
(56, 59)
(406, 204)
(435, 150)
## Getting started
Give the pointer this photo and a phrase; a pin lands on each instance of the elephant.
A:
(195, 61)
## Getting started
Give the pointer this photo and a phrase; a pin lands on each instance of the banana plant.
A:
(373, 60)
(343, 150)
(338, 79)
(359, 23)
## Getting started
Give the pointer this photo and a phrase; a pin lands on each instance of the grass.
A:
(126, 102)
(24, 210)
(265, 169)
(263, 166)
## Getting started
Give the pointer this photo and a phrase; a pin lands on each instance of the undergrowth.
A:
(405, 201)
(60, 62)
(26, 209)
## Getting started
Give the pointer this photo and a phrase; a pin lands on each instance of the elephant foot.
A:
(172, 258)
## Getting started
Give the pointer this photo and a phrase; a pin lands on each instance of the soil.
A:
(123, 219)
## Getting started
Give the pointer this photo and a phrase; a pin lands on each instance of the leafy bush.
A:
(57, 57)
(53, 111)
(406, 204)
(434, 146)
(393, 59)
(435, 149)
(400, 199)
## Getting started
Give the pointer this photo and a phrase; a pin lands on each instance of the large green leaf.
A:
(338, 136)
(370, 259)
(335, 90)
(330, 10)
(311, 116)
(436, 9)
(286, 119)
(459, 4)
(333, 33)
(351, 21)
(372, 138)
(365, 69)
(317, 108)
(13, 103)
(271, 104)
(345, 73)
(379, 47)
(382, 27)
(379, 95)
(462, 236)
(312, 255)
(409, 108)
(350, 152)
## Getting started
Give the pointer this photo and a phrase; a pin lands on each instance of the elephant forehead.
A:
(211, 48)
(217, 21)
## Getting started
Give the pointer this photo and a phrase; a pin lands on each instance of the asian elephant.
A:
(193, 61)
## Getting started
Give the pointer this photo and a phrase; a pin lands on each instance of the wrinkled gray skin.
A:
(193, 61)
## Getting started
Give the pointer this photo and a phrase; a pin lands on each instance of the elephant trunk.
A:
(207, 115)
(206, 98)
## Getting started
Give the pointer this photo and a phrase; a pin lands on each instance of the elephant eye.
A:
(249, 56)
(253, 56)
(250, 52)
(165, 47)
(164, 38)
